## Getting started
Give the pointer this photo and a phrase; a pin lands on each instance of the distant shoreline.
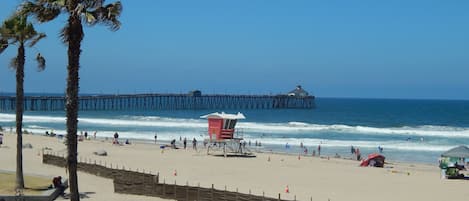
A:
(259, 149)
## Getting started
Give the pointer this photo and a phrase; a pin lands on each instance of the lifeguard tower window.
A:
(232, 124)
(229, 124)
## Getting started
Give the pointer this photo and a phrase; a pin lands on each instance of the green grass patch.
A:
(34, 185)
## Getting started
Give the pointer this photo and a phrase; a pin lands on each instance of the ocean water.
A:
(407, 130)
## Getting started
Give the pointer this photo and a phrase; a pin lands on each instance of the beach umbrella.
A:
(457, 152)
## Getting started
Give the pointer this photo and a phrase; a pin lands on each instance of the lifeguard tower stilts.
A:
(221, 132)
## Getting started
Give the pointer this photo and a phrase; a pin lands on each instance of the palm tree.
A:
(90, 12)
(16, 30)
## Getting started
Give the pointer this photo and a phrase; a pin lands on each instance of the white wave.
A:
(426, 130)
(159, 123)
(395, 145)
(299, 124)
(294, 142)
(135, 121)
(142, 135)
(32, 118)
(36, 127)
(253, 127)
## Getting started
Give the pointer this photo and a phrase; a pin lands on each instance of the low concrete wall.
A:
(51, 195)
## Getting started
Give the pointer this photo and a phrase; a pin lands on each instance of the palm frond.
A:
(29, 32)
(93, 3)
(10, 28)
(41, 62)
(3, 45)
(64, 34)
(90, 18)
(14, 63)
(36, 39)
(43, 11)
(107, 15)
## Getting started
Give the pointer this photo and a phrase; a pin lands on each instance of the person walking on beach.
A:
(359, 156)
(155, 137)
(80, 138)
(185, 143)
(94, 135)
(173, 143)
(380, 149)
(352, 150)
(319, 150)
(194, 144)
(86, 135)
(1, 139)
(116, 138)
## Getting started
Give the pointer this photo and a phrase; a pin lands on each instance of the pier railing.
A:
(161, 102)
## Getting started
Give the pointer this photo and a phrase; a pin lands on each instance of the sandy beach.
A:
(308, 177)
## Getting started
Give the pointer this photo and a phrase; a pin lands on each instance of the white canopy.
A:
(223, 115)
(457, 152)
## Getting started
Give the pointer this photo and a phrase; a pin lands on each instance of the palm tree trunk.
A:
(19, 116)
(75, 35)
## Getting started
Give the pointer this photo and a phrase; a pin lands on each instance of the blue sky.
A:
(370, 49)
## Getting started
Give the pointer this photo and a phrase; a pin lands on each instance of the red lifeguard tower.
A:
(221, 126)
(221, 131)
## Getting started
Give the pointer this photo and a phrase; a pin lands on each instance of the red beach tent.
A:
(376, 160)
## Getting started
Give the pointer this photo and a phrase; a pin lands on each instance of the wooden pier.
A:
(162, 102)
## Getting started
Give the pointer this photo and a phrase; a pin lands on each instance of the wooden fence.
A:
(127, 181)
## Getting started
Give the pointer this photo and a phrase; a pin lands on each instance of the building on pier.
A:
(298, 92)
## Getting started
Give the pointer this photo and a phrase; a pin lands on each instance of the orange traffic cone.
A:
(287, 190)
(175, 173)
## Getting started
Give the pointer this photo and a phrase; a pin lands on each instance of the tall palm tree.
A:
(16, 30)
(90, 12)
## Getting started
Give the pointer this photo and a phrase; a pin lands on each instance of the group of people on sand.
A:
(116, 139)
(305, 149)
(84, 136)
(184, 142)
(256, 143)
(356, 152)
